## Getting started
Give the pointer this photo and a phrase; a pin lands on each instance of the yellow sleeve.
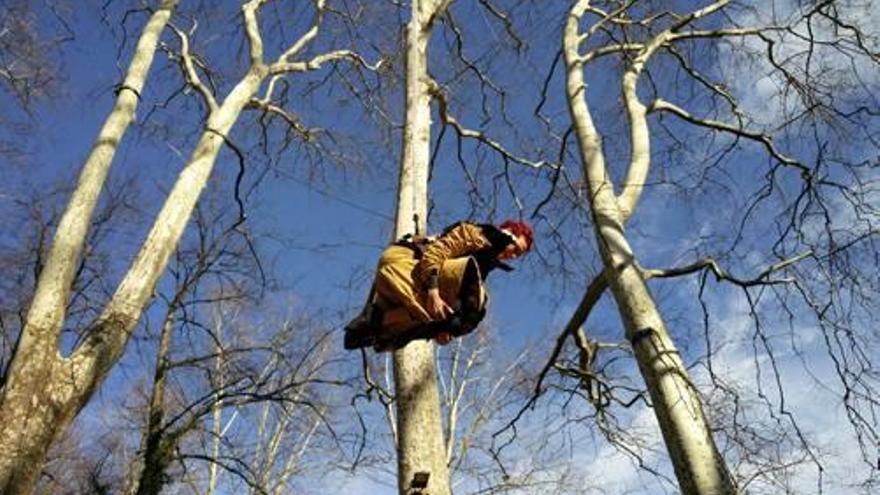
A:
(462, 240)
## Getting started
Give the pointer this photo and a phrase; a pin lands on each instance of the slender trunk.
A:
(699, 467)
(420, 447)
(217, 407)
(35, 403)
(156, 451)
(290, 467)
(45, 391)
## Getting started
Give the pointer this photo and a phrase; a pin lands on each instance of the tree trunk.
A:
(35, 403)
(420, 446)
(699, 467)
(217, 406)
(44, 391)
(156, 454)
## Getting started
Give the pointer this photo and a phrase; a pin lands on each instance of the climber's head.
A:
(524, 236)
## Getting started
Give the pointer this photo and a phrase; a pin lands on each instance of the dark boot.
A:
(362, 331)
(355, 340)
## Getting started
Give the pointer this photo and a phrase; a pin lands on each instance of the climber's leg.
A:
(395, 285)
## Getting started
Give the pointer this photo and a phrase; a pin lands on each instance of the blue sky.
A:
(328, 222)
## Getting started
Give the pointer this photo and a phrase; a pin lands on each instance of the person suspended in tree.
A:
(434, 287)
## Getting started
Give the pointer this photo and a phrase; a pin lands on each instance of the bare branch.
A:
(287, 116)
(764, 139)
(720, 33)
(591, 296)
(637, 171)
(318, 61)
(252, 29)
(447, 119)
(192, 77)
(711, 265)
(604, 50)
(306, 38)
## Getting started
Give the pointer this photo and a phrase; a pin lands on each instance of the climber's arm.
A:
(461, 240)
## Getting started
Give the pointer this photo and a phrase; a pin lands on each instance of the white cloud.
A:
(613, 469)
(811, 395)
(767, 97)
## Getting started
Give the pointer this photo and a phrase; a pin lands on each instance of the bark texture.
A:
(44, 390)
(43, 393)
(699, 467)
(420, 434)
(157, 452)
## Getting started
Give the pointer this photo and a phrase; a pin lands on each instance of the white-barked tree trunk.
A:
(420, 444)
(44, 390)
(698, 465)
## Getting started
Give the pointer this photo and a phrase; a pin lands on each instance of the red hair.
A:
(520, 229)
